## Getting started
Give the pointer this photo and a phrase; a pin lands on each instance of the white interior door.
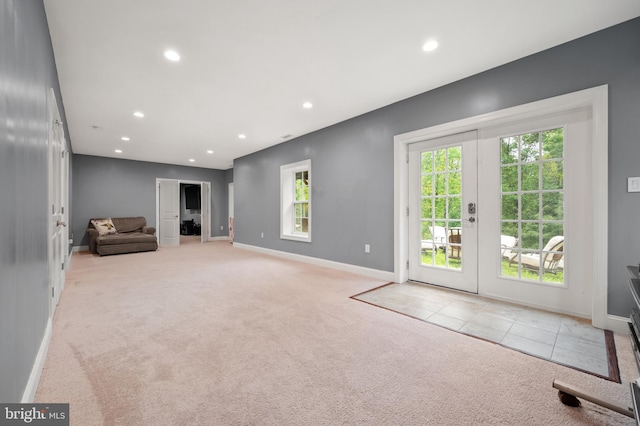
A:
(535, 185)
(205, 211)
(442, 211)
(58, 241)
(169, 212)
(231, 224)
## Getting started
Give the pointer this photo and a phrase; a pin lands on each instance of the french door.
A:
(535, 185)
(442, 211)
(506, 211)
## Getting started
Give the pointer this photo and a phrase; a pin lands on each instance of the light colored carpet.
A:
(214, 335)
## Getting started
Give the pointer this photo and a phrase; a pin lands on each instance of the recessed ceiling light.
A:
(139, 114)
(118, 151)
(125, 138)
(172, 55)
(191, 160)
(242, 136)
(307, 105)
(210, 151)
(430, 46)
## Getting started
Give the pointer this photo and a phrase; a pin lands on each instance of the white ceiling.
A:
(248, 65)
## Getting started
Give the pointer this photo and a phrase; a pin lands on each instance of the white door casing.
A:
(231, 207)
(205, 211)
(168, 210)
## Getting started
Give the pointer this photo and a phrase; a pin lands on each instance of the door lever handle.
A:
(471, 219)
(60, 223)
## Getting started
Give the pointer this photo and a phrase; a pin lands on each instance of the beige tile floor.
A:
(559, 338)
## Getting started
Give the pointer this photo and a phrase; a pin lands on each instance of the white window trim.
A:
(287, 191)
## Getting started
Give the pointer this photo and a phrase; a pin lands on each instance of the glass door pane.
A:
(532, 206)
(441, 207)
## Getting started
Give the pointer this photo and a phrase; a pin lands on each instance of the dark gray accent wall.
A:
(111, 187)
(352, 162)
(27, 72)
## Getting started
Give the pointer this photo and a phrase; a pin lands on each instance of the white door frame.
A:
(230, 207)
(597, 100)
(205, 212)
(207, 218)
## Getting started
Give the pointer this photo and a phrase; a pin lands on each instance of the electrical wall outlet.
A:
(367, 248)
(221, 227)
(262, 235)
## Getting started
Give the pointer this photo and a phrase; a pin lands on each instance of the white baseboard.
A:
(345, 267)
(223, 238)
(80, 248)
(34, 378)
(619, 325)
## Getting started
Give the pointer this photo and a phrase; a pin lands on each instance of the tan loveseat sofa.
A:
(131, 234)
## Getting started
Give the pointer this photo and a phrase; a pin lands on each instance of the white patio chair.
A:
(438, 239)
(551, 256)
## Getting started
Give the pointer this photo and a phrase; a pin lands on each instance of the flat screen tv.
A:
(192, 197)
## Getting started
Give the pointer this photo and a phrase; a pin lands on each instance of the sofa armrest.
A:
(148, 230)
(93, 234)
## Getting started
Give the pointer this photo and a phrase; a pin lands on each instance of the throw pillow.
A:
(104, 226)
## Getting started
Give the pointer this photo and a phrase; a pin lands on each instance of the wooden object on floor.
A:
(567, 389)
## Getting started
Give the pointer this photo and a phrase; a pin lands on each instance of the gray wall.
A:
(27, 72)
(352, 162)
(111, 187)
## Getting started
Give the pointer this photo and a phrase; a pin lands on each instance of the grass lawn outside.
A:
(508, 271)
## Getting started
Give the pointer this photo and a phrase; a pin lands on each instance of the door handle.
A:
(471, 219)
(60, 223)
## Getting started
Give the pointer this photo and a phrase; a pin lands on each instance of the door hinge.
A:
(53, 208)
(407, 211)
(53, 292)
(62, 264)
(62, 210)
(407, 158)
(407, 264)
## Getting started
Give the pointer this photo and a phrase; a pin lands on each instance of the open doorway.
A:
(183, 211)
(190, 213)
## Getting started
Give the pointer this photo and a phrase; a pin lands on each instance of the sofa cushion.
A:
(128, 238)
(129, 224)
(104, 226)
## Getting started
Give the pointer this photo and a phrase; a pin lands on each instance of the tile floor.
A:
(559, 338)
